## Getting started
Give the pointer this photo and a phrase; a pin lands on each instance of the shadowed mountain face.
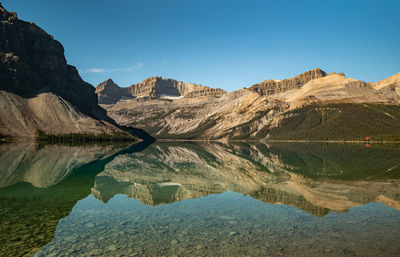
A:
(38, 89)
(311, 106)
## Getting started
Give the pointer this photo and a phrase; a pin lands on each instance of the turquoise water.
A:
(189, 199)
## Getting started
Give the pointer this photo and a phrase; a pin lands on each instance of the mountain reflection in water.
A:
(38, 187)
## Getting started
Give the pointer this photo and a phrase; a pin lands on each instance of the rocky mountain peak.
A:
(49, 93)
(109, 80)
(335, 73)
(391, 79)
(109, 83)
(316, 71)
(270, 87)
(153, 88)
(108, 92)
(31, 61)
(153, 78)
(7, 16)
(390, 87)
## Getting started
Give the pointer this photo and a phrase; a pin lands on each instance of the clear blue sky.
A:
(228, 44)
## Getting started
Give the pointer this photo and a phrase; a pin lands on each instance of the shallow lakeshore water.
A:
(207, 199)
(228, 224)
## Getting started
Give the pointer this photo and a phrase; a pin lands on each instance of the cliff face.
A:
(33, 62)
(153, 88)
(270, 87)
(35, 79)
(205, 91)
(156, 87)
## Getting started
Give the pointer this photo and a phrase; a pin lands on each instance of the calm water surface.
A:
(190, 199)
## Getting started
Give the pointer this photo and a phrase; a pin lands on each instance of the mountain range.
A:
(153, 88)
(311, 106)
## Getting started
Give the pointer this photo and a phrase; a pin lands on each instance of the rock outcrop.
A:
(109, 93)
(38, 89)
(153, 88)
(205, 91)
(333, 88)
(270, 87)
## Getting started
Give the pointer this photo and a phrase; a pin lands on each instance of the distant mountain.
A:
(270, 87)
(390, 87)
(153, 88)
(108, 92)
(311, 106)
(38, 89)
(334, 88)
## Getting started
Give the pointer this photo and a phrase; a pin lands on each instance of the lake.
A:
(200, 199)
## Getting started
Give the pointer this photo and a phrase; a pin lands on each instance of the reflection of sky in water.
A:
(222, 225)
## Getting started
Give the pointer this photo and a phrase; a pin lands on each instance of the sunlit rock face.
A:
(108, 92)
(315, 178)
(270, 87)
(153, 88)
(390, 87)
(311, 106)
(239, 114)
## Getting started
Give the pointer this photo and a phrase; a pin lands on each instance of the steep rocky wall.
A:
(31, 61)
(270, 87)
(153, 88)
(38, 89)
(206, 91)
